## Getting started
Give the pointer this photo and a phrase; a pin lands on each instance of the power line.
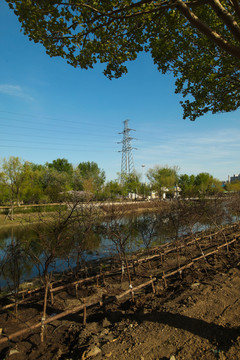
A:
(43, 143)
(35, 136)
(38, 136)
(45, 117)
(55, 130)
(46, 123)
(40, 117)
(152, 134)
(50, 149)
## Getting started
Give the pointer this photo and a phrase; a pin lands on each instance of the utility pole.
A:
(143, 166)
(127, 164)
(144, 183)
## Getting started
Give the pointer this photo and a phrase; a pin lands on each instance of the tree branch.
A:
(226, 17)
(236, 6)
(207, 31)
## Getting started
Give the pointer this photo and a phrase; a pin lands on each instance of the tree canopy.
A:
(201, 185)
(25, 182)
(163, 177)
(199, 40)
(187, 185)
(92, 176)
(13, 176)
(130, 183)
(61, 165)
(207, 184)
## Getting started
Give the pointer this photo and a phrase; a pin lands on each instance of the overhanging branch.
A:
(226, 17)
(206, 30)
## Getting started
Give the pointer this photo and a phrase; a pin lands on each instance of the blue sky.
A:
(50, 110)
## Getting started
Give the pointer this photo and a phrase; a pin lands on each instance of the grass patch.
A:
(28, 209)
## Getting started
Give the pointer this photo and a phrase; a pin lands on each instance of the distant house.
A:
(164, 191)
(174, 191)
(134, 196)
(177, 191)
(153, 195)
(233, 178)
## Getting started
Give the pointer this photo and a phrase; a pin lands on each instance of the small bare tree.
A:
(175, 218)
(192, 218)
(215, 211)
(233, 207)
(54, 240)
(11, 268)
(88, 215)
(148, 226)
(118, 228)
(13, 264)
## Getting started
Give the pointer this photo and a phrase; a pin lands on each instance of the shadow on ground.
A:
(220, 336)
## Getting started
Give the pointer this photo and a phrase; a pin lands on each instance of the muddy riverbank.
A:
(194, 315)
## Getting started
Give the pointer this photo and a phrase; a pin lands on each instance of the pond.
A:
(23, 252)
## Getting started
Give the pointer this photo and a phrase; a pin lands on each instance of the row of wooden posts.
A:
(76, 283)
(132, 290)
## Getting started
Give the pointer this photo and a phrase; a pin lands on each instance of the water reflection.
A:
(26, 253)
(15, 264)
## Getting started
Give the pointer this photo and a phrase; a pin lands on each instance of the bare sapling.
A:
(175, 217)
(54, 240)
(147, 226)
(192, 221)
(118, 228)
(13, 264)
(216, 212)
(233, 207)
(87, 218)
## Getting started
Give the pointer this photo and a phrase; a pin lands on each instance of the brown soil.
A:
(197, 316)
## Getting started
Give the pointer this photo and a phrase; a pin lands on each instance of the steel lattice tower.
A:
(127, 164)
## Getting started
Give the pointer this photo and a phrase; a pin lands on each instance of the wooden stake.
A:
(76, 290)
(132, 292)
(84, 314)
(153, 287)
(42, 329)
(227, 246)
(180, 274)
(51, 294)
(164, 280)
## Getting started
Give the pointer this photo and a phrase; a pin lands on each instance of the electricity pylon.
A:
(127, 164)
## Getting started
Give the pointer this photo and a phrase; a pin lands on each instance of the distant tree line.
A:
(30, 183)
